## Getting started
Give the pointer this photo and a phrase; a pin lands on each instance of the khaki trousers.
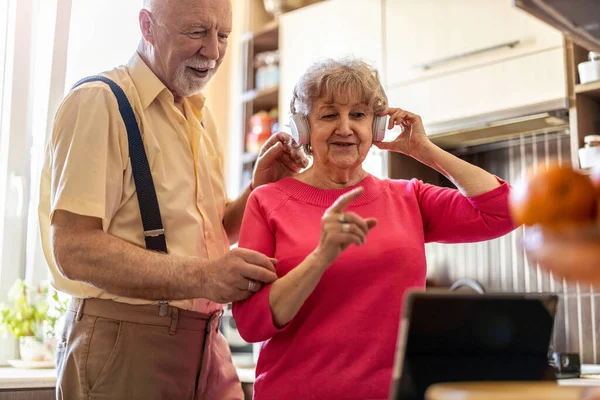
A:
(110, 350)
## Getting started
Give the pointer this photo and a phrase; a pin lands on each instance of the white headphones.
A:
(301, 129)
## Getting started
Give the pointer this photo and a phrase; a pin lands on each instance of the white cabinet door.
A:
(460, 33)
(524, 81)
(330, 29)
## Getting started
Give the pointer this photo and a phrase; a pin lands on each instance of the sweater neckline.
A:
(325, 197)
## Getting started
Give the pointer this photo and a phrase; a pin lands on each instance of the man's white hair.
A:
(156, 7)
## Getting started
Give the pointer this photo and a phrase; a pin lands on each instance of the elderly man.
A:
(145, 254)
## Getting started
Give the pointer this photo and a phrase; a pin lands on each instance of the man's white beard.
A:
(186, 84)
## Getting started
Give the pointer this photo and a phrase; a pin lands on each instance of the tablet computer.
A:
(456, 337)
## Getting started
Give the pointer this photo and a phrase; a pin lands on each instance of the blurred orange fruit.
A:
(553, 196)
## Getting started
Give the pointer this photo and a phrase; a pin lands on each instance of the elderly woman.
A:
(347, 244)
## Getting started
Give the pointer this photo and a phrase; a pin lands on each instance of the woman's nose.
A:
(344, 126)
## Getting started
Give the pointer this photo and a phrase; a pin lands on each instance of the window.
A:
(14, 52)
(101, 37)
(45, 47)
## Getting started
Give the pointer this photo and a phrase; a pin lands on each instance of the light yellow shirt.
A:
(88, 172)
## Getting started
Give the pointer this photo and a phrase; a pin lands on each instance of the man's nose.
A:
(210, 47)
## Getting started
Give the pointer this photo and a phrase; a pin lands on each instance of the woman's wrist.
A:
(319, 260)
(427, 153)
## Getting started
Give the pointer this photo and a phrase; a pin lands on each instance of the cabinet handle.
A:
(436, 63)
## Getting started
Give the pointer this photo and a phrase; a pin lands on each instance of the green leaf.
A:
(32, 311)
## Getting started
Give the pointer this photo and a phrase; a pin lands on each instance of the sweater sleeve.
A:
(253, 316)
(450, 217)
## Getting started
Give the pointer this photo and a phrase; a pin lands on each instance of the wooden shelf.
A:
(262, 99)
(591, 89)
(265, 39)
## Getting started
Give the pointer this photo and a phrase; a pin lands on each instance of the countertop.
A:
(14, 378)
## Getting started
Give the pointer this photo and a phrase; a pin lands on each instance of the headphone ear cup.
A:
(300, 128)
(379, 128)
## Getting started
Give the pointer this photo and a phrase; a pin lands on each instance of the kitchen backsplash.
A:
(501, 265)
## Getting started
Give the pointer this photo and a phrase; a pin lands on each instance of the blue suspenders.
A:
(154, 233)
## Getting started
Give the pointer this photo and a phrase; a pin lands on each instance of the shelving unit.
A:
(584, 111)
(254, 100)
(261, 98)
(591, 89)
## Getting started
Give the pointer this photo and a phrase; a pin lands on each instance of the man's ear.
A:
(146, 25)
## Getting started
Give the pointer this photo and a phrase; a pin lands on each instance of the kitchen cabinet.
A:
(330, 29)
(514, 83)
(429, 38)
(453, 59)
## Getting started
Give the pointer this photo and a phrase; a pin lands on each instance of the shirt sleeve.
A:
(86, 159)
(253, 316)
(450, 217)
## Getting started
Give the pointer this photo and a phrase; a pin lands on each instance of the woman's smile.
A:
(339, 145)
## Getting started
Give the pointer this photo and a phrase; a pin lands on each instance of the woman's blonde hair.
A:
(348, 76)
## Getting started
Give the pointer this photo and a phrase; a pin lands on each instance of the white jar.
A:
(589, 71)
(589, 155)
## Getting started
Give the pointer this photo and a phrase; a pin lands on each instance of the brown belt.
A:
(175, 318)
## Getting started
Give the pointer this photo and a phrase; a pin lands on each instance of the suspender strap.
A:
(154, 233)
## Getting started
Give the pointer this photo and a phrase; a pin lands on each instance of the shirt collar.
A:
(149, 86)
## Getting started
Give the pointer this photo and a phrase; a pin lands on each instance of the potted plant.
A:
(31, 315)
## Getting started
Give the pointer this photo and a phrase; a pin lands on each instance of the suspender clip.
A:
(154, 233)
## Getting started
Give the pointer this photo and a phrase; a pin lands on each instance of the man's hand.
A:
(278, 159)
(237, 275)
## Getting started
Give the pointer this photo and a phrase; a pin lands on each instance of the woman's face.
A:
(340, 132)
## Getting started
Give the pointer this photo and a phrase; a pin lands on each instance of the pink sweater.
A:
(341, 343)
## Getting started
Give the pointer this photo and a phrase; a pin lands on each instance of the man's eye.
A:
(359, 115)
(328, 116)
(223, 37)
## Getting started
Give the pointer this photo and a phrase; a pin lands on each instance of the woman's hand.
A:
(341, 229)
(412, 139)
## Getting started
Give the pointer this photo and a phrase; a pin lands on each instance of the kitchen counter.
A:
(14, 378)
